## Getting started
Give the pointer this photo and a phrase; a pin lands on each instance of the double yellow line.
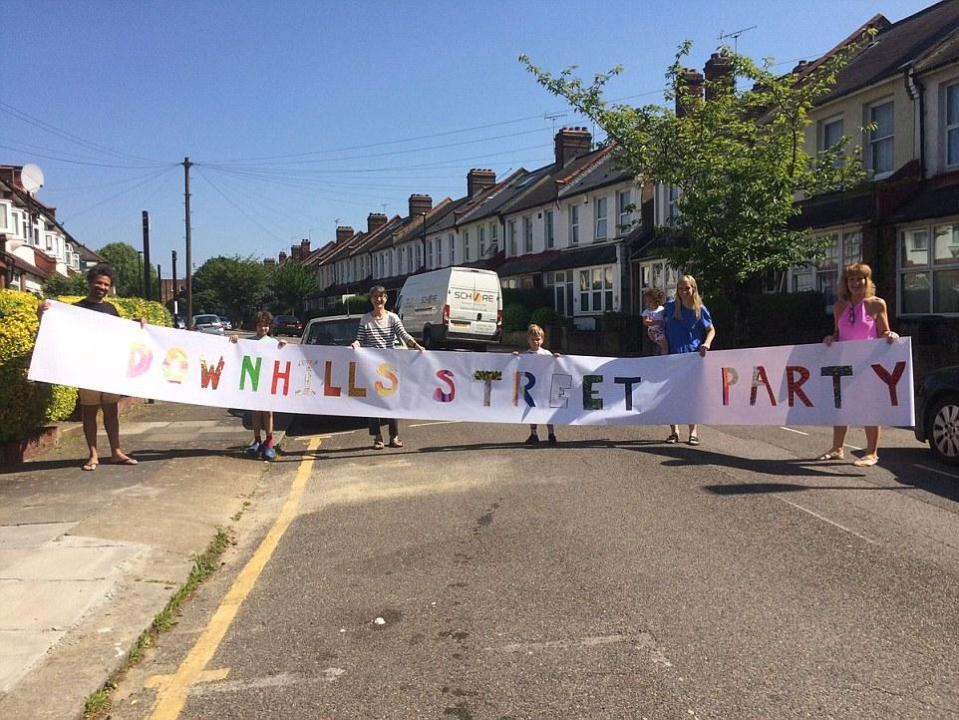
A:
(172, 690)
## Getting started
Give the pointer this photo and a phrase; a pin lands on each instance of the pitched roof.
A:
(897, 47)
(555, 180)
(502, 193)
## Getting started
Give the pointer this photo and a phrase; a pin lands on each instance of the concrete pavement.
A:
(88, 559)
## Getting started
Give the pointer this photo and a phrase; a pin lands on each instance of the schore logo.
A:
(476, 297)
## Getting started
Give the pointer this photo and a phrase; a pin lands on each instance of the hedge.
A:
(24, 405)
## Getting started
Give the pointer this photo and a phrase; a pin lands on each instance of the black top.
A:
(103, 307)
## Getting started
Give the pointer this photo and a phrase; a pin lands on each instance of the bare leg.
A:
(268, 424)
(692, 431)
(256, 418)
(836, 452)
(111, 421)
(89, 415)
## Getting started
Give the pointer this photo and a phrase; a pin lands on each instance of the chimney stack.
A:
(304, 248)
(689, 85)
(478, 179)
(295, 253)
(282, 257)
(420, 204)
(374, 221)
(571, 142)
(719, 74)
(343, 233)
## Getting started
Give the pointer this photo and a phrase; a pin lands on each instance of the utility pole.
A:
(159, 285)
(189, 249)
(176, 290)
(146, 255)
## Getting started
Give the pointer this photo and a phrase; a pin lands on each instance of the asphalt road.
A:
(613, 576)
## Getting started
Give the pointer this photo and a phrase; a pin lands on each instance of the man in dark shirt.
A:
(99, 282)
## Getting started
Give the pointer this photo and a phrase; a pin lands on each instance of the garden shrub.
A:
(25, 406)
(544, 317)
(515, 317)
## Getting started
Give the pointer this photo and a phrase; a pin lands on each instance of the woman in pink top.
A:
(858, 315)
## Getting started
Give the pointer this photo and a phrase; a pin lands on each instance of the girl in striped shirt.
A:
(381, 328)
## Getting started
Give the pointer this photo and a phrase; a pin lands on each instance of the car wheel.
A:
(427, 339)
(944, 429)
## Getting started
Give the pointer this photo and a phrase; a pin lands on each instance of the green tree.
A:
(290, 284)
(738, 160)
(127, 269)
(230, 285)
(57, 285)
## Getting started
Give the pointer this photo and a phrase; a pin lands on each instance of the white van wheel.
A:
(427, 339)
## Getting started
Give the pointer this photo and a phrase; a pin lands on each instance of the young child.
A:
(534, 338)
(653, 318)
(262, 419)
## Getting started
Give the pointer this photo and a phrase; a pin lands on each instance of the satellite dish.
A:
(31, 178)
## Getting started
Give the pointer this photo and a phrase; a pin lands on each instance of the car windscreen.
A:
(335, 332)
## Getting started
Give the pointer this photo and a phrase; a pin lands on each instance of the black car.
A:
(937, 413)
(286, 325)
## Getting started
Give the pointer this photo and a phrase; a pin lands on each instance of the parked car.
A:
(339, 330)
(227, 323)
(937, 413)
(208, 324)
(286, 325)
(454, 306)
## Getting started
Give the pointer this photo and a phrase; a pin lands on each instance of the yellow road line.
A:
(172, 694)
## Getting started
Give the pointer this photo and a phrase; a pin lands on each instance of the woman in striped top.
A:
(381, 328)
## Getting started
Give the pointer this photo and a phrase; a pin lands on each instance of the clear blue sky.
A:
(301, 115)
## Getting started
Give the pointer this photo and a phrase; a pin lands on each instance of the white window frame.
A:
(847, 250)
(600, 218)
(659, 274)
(493, 238)
(624, 199)
(429, 254)
(873, 141)
(4, 215)
(511, 232)
(466, 246)
(481, 235)
(950, 129)
(452, 242)
(608, 291)
(549, 232)
(930, 268)
(573, 216)
(822, 131)
(527, 234)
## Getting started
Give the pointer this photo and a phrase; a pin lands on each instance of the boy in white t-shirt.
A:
(534, 338)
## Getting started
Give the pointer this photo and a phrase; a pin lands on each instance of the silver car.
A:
(208, 324)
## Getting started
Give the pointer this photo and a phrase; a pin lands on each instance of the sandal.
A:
(866, 461)
(89, 467)
(672, 439)
(395, 442)
(694, 439)
(832, 455)
(378, 444)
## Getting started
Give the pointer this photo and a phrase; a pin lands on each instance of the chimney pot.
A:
(478, 179)
(719, 74)
(374, 221)
(420, 204)
(571, 142)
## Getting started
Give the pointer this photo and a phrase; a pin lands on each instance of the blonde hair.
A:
(654, 294)
(855, 269)
(536, 331)
(697, 301)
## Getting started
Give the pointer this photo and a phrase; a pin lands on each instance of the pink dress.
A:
(856, 324)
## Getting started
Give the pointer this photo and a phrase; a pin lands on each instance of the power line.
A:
(88, 163)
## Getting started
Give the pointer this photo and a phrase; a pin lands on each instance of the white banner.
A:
(849, 383)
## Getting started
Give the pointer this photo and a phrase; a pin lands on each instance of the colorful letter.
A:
(759, 378)
(329, 389)
(284, 376)
(175, 365)
(445, 376)
(140, 359)
(794, 386)
(557, 390)
(307, 388)
(487, 377)
(837, 372)
(628, 382)
(590, 401)
(891, 380)
(210, 375)
(730, 378)
(388, 372)
(252, 369)
(353, 390)
(530, 382)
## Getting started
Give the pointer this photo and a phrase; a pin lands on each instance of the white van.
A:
(452, 306)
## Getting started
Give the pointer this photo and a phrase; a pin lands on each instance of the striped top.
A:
(381, 332)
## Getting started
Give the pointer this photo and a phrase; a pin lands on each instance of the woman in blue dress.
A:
(689, 328)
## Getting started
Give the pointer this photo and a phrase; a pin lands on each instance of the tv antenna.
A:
(735, 36)
(553, 117)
